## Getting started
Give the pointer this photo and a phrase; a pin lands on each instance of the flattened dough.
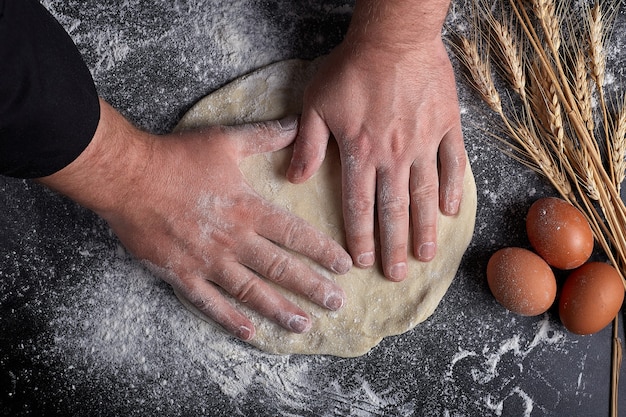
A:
(375, 307)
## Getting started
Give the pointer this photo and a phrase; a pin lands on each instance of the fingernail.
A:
(334, 301)
(244, 333)
(452, 207)
(295, 171)
(288, 123)
(426, 251)
(342, 265)
(299, 324)
(398, 271)
(365, 259)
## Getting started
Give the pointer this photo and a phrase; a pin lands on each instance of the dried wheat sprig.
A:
(554, 113)
(596, 48)
(543, 160)
(585, 172)
(480, 74)
(597, 62)
(536, 98)
(545, 11)
(510, 54)
(582, 90)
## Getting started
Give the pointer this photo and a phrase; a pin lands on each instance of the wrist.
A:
(397, 24)
(104, 174)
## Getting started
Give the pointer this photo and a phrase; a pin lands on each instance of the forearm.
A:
(398, 22)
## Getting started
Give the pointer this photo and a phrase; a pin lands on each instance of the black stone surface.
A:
(85, 331)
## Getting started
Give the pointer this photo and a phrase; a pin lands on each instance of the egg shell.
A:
(591, 297)
(521, 281)
(559, 233)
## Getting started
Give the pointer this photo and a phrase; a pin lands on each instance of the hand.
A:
(394, 113)
(181, 203)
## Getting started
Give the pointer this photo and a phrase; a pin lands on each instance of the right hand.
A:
(180, 203)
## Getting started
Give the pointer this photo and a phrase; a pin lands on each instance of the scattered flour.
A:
(484, 367)
(127, 319)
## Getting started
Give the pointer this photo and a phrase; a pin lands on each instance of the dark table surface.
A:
(85, 331)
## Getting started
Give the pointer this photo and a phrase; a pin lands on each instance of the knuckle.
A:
(201, 301)
(278, 269)
(247, 291)
(224, 238)
(358, 146)
(423, 191)
(360, 203)
(398, 146)
(397, 206)
(291, 233)
(426, 223)
(457, 163)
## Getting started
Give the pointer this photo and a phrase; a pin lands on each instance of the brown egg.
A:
(591, 297)
(559, 233)
(521, 281)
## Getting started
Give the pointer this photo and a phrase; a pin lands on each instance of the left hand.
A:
(395, 116)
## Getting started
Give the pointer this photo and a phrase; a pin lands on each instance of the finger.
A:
(393, 219)
(424, 192)
(309, 148)
(248, 288)
(452, 159)
(359, 189)
(292, 232)
(209, 301)
(261, 137)
(290, 273)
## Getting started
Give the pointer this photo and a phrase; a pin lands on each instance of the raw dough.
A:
(375, 307)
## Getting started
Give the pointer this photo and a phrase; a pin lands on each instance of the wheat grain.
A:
(596, 45)
(582, 90)
(586, 176)
(511, 56)
(545, 11)
(542, 158)
(480, 74)
(548, 107)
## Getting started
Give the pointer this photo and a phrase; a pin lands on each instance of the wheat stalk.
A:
(545, 11)
(550, 109)
(582, 90)
(480, 74)
(619, 146)
(597, 61)
(596, 45)
(510, 55)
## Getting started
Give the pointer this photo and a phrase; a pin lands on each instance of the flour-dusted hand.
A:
(181, 203)
(387, 94)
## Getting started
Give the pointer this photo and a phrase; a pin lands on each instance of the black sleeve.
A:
(49, 107)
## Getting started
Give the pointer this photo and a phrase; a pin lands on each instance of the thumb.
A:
(309, 148)
(261, 137)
